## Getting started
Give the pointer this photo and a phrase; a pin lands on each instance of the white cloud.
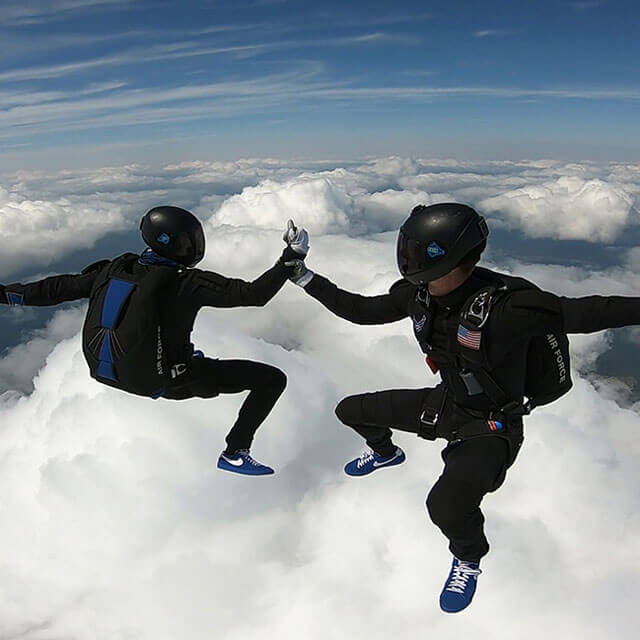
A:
(47, 215)
(568, 208)
(115, 518)
(35, 232)
(314, 201)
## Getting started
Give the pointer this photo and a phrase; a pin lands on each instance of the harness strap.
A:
(490, 387)
(432, 410)
(475, 370)
(478, 428)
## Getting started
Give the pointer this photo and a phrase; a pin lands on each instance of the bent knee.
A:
(348, 410)
(278, 379)
(435, 503)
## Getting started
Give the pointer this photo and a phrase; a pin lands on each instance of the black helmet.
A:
(174, 233)
(434, 240)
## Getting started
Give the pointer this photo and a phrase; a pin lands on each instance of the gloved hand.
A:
(299, 275)
(297, 239)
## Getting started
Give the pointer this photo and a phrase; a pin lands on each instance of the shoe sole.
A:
(244, 473)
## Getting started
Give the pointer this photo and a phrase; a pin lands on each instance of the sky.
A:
(116, 522)
(94, 82)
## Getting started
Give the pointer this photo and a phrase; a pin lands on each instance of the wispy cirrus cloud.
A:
(141, 55)
(491, 33)
(9, 99)
(38, 11)
(390, 19)
(122, 105)
(190, 49)
(136, 106)
(497, 92)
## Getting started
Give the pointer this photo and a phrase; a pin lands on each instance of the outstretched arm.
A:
(359, 309)
(594, 313)
(49, 291)
(535, 312)
(211, 289)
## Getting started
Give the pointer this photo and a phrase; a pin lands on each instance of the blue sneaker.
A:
(370, 461)
(460, 586)
(242, 462)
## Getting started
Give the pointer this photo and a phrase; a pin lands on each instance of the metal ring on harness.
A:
(428, 422)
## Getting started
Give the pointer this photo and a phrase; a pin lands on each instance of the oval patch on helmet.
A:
(434, 250)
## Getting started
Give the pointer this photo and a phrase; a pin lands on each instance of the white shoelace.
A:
(364, 458)
(248, 458)
(460, 576)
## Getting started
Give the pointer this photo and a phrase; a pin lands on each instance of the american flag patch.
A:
(469, 339)
(495, 425)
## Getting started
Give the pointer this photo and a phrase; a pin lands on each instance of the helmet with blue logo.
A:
(435, 239)
(175, 234)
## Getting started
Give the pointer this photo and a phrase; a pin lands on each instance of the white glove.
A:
(297, 239)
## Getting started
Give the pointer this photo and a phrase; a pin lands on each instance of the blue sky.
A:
(93, 81)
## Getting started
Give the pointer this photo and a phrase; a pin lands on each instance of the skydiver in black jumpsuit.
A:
(182, 245)
(438, 249)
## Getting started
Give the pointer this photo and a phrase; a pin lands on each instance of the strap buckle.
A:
(430, 417)
(178, 370)
(478, 312)
(428, 421)
(516, 409)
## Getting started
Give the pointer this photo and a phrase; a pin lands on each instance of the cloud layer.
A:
(47, 215)
(568, 208)
(116, 523)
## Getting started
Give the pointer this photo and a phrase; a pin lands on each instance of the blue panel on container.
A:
(105, 366)
(117, 294)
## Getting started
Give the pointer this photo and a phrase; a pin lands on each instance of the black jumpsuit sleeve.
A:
(382, 309)
(534, 312)
(209, 289)
(595, 313)
(50, 291)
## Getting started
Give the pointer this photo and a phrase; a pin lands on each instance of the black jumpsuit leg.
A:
(207, 378)
(265, 385)
(372, 414)
(472, 469)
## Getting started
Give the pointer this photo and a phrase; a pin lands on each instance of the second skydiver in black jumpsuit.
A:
(438, 248)
(181, 246)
